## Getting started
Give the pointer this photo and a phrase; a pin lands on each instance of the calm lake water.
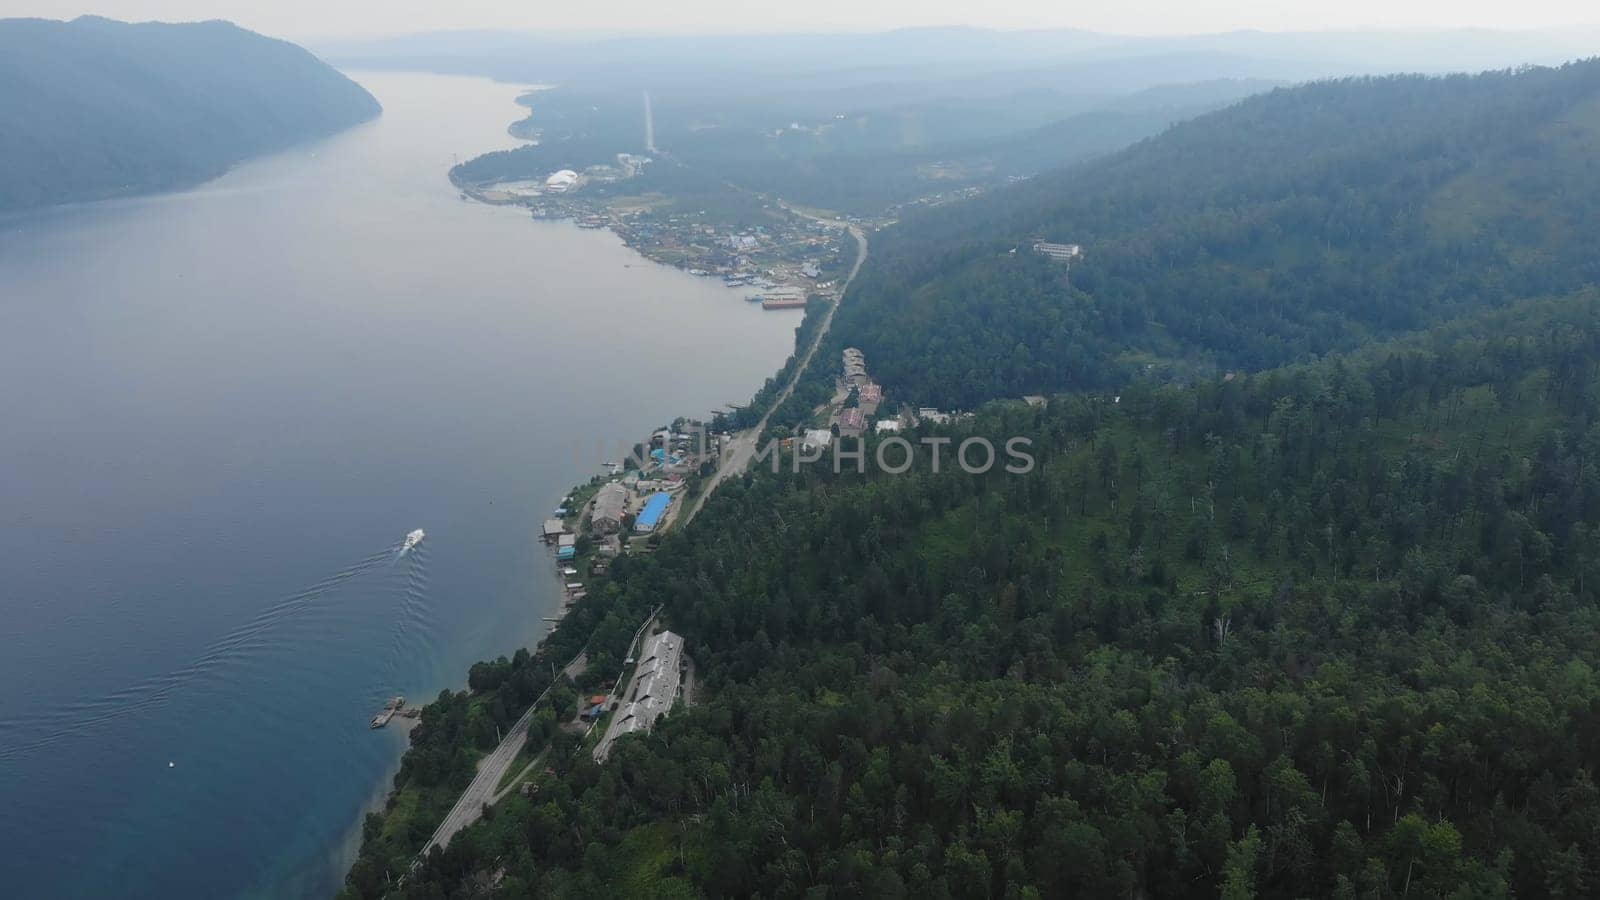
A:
(221, 412)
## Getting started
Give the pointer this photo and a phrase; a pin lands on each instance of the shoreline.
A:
(688, 477)
(783, 254)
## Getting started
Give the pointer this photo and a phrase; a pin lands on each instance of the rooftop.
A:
(1059, 252)
(654, 508)
(610, 503)
(818, 437)
(655, 689)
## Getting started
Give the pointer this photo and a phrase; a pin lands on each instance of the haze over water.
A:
(223, 410)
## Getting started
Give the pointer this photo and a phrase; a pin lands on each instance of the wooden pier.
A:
(389, 711)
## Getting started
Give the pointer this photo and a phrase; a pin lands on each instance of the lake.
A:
(222, 411)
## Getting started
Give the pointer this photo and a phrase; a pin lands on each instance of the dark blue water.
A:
(221, 411)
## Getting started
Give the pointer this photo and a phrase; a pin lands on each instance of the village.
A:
(622, 511)
(788, 261)
(855, 410)
(628, 506)
(784, 260)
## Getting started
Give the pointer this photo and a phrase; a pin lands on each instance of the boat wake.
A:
(413, 626)
(271, 633)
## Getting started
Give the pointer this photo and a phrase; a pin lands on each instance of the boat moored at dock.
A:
(389, 711)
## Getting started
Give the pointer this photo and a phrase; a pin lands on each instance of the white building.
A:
(817, 439)
(651, 695)
(562, 181)
(1058, 252)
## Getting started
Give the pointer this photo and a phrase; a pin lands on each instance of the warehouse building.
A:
(610, 504)
(654, 509)
(654, 690)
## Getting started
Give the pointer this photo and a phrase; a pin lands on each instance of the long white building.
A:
(651, 693)
(1058, 252)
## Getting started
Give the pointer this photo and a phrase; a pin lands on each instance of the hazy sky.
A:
(325, 18)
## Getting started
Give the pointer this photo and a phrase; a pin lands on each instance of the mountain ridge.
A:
(96, 108)
(1289, 225)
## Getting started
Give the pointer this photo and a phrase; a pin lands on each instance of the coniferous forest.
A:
(1302, 598)
(1297, 223)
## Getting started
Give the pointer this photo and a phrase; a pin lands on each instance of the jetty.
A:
(389, 711)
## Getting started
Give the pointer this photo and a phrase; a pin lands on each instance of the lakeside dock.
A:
(390, 709)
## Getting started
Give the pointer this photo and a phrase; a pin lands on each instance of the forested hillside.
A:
(1324, 624)
(838, 151)
(94, 108)
(1295, 223)
(1322, 631)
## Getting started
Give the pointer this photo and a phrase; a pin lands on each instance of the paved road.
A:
(492, 768)
(742, 448)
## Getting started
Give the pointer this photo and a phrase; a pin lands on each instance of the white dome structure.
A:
(562, 180)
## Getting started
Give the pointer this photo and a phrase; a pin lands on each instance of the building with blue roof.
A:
(654, 509)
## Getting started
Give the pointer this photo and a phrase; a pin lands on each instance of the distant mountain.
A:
(736, 63)
(517, 55)
(95, 108)
(1112, 126)
(873, 160)
(859, 162)
(1291, 225)
(1388, 50)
